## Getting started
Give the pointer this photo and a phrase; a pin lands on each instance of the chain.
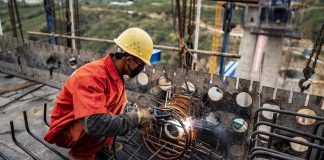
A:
(174, 16)
(316, 48)
(308, 70)
(192, 18)
(180, 14)
(184, 13)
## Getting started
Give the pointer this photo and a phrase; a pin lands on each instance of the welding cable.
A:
(114, 148)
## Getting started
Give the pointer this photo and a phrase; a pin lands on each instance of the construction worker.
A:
(89, 109)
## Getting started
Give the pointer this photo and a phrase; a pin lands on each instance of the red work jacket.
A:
(92, 89)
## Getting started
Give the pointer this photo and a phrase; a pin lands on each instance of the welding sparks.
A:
(187, 123)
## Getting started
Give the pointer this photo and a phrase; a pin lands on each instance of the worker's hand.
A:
(145, 117)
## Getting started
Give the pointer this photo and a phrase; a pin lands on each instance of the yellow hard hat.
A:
(136, 42)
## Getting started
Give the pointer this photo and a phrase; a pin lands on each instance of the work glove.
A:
(145, 117)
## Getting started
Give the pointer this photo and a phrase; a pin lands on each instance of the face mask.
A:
(135, 71)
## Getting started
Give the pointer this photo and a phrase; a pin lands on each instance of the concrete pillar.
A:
(246, 51)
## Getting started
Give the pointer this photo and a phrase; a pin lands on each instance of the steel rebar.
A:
(283, 112)
(14, 100)
(157, 152)
(19, 144)
(274, 121)
(273, 155)
(320, 154)
(312, 140)
(126, 151)
(135, 152)
(39, 140)
(288, 130)
(45, 115)
(287, 139)
(273, 151)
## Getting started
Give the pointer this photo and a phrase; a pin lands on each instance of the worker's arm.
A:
(110, 125)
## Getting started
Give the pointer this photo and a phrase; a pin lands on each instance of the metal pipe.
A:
(203, 52)
(41, 40)
(44, 116)
(14, 100)
(241, 1)
(39, 140)
(19, 144)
